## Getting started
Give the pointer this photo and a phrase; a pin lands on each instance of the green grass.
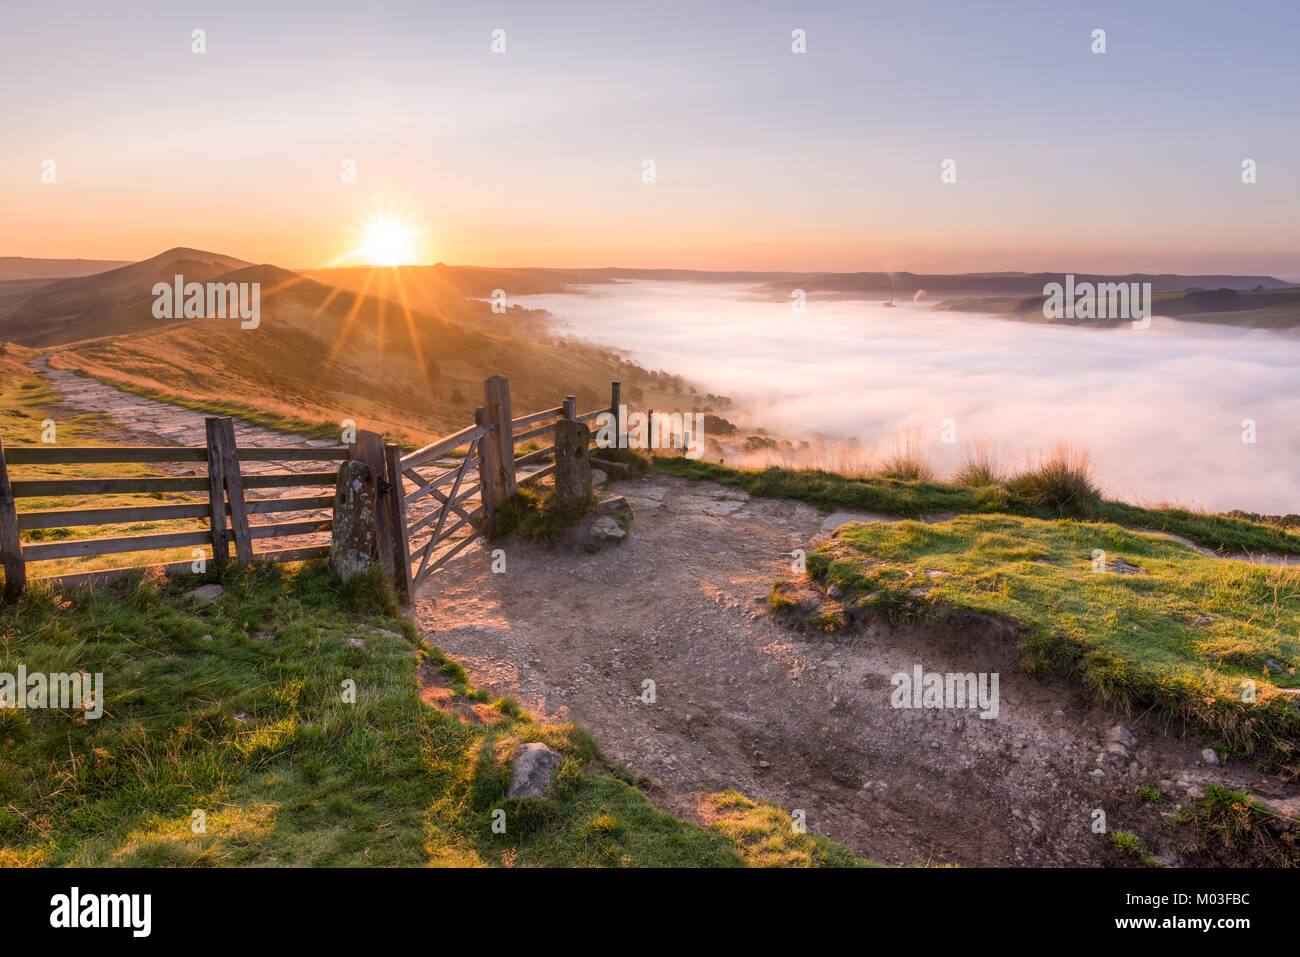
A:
(236, 708)
(777, 600)
(1132, 845)
(912, 499)
(534, 514)
(1231, 822)
(1129, 637)
(1227, 827)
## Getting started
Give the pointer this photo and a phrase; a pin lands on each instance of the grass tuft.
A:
(1061, 479)
(980, 467)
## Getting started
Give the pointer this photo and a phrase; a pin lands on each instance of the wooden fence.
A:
(226, 511)
(455, 485)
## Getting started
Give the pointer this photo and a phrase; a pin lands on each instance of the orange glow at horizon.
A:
(387, 239)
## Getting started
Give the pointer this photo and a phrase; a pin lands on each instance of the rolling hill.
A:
(21, 267)
(1246, 308)
(323, 354)
(114, 302)
(870, 285)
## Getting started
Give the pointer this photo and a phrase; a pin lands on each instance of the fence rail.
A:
(226, 510)
(432, 503)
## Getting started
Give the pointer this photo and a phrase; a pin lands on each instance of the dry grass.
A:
(1060, 478)
(982, 466)
(905, 458)
(321, 356)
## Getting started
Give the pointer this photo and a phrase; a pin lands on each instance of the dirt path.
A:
(175, 424)
(742, 702)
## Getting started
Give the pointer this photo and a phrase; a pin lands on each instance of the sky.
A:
(1066, 160)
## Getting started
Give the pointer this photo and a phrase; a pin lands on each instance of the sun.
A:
(388, 242)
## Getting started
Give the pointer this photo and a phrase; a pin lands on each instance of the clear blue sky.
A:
(765, 159)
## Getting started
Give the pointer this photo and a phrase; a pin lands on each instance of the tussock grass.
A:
(1060, 479)
(905, 459)
(766, 838)
(1227, 826)
(980, 467)
(1129, 843)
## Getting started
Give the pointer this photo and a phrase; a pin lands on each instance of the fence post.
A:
(570, 407)
(487, 468)
(397, 516)
(11, 549)
(217, 492)
(615, 400)
(496, 394)
(369, 448)
(235, 491)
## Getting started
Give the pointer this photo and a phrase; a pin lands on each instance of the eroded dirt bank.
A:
(743, 702)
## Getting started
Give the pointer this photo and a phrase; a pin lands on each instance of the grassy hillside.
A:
(322, 355)
(236, 708)
(114, 302)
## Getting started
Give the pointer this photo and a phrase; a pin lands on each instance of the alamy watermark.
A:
(214, 300)
(683, 431)
(79, 691)
(75, 909)
(1102, 300)
(922, 689)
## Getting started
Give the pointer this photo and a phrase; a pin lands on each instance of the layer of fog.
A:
(1160, 410)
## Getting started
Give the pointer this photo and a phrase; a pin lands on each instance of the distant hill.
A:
(20, 267)
(1252, 308)
(873, 285)
(438, 284)
(324, 354)
(116, 302)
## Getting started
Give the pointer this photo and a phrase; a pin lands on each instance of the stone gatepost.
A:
(354, 545)
(572, 463)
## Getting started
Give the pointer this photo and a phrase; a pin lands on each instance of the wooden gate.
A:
(457, 482)
(449, 498)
